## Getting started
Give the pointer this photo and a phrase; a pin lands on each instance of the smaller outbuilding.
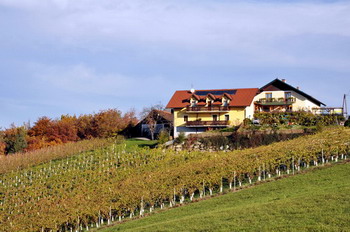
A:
(153, 123)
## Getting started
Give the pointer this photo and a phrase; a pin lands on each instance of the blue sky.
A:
(74, 57)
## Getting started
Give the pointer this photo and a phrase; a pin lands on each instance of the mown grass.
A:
(141, 143)
(315, 201)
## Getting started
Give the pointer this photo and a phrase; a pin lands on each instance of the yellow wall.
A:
(237, 116)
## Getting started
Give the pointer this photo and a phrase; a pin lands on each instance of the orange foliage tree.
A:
(84, 126)
(2, 143)
(107, 123)
(64, 130)
(48, 132)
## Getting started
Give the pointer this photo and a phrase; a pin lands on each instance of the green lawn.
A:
(141, 143)
(316, 201)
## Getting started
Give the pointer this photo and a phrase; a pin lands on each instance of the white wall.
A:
(250, 110)
(187, 130)
(301, 102)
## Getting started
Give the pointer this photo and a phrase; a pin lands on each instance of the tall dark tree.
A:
(151, 116)
(15, 139)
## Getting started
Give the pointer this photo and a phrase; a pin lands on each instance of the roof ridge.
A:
(188, 90)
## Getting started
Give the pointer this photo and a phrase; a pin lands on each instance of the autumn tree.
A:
(38, 134)
(84, 126)
(107, 123)
(129, 122)
(48, 132)
(2, 143)
(41, 127)
(129, 118)
(64, 130)
(15, 139)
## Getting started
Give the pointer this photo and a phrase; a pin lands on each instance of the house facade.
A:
(196, 111)
(279, 96)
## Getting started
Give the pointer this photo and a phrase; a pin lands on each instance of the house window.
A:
(215, 118)
(227, 117)
(186, 118)
(268, 95)
(288, 95)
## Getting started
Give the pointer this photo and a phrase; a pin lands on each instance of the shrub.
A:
(347, 123)
(319, 126)
(254, 139)
(297, 118)
(181, 138)
(163, 137)
(247, 122)
(217, 142)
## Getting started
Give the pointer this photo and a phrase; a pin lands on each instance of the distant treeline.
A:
(49, 132)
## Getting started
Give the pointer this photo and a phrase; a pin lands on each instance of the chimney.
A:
(284, 80)
(298, 88)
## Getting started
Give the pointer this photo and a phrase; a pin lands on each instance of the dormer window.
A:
(193, 102)
(210, 99)
(225, 102)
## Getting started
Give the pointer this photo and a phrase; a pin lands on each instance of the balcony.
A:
(211, 109)
(207, 123)
(276, 102)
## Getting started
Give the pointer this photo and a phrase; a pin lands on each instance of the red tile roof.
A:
(242, 97)
(165, 114)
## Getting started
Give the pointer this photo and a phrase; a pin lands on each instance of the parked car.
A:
(256, 121)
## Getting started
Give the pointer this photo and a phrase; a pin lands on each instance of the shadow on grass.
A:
(142, 143)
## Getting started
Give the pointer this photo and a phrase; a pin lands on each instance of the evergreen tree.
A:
(15, 139)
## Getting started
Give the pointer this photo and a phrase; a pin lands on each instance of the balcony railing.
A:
(274, 101)
(207, 109)
(207, 123)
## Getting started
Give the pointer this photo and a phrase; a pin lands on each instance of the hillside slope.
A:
(316, 201)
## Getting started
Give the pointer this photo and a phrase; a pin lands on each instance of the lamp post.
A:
(345, 106)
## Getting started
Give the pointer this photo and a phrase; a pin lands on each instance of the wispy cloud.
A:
(81, 79)
(254, 31)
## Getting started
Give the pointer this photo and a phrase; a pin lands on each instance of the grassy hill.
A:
(318, 200)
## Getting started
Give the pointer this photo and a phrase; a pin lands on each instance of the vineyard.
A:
(24, 160)
(110, 183)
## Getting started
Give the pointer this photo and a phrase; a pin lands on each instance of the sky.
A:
(79, 57)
